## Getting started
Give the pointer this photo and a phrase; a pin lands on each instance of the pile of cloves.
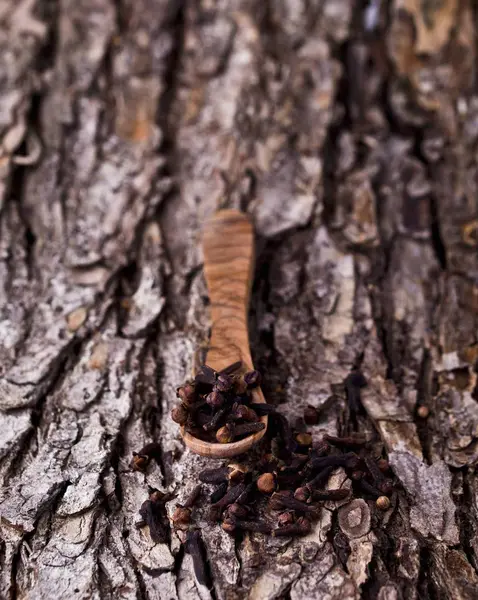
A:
(279, 492)
(218, 406)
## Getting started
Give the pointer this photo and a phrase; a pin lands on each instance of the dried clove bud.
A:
(302, 494)
(319, 449)
(369, 489)
(217, 475)
(223, 383)
(142, 458)
(195, 547)
(248, 429)
(423, 411)
(179, 414)
(357, 441)
(224, 435)
(301, 527)
(151, 514)
(381, 482)
(239, 511)
(215, 399)
(229, 497)
(186, 393)
(212, 424)
(383, 465)
(206, 376)
(311, 415)
(240, 386)
(229, 432)
(321, 478)
(349, 460)
(245, 497)
(353, 384)
(218, 493)
(252, 379)
(231, 368)
(266, 483)
(181, 517)
(383, 502)
(231, 525)
(279, 502)
(241, 411)
(324, 496)
(285, 518)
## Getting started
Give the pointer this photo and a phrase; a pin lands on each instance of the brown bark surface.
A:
(349, 131)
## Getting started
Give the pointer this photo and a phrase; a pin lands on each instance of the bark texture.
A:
(349, 131)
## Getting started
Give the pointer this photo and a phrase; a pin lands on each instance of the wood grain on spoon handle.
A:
(228, 245)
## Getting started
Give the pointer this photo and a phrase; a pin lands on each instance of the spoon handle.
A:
(228, 246)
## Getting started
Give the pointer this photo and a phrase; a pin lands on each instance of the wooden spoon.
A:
(228, 245)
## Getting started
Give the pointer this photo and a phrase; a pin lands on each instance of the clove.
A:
(217, 475)
(195, 547)
(279, 502)
(324, 496)
(321, 478)
(218, 493)
(231, 525)
(151, 513)
(301, 527)
(142, 458)
(384, 484)
(350, 442)
(215, 420)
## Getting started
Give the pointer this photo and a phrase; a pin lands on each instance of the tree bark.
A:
(348, 131)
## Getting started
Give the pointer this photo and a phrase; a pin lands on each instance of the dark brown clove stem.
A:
(195, 547)
(324, 496)
(215, 420)
(321, 478)
(279, 502)
(218, 493)
(217, 475)
(231, 368)
(231, 524)
(350, 442)
(368, 488)
(193, 496)
(384, 484)
(301, 527)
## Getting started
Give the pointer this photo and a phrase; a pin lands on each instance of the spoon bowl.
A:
(228, 246)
